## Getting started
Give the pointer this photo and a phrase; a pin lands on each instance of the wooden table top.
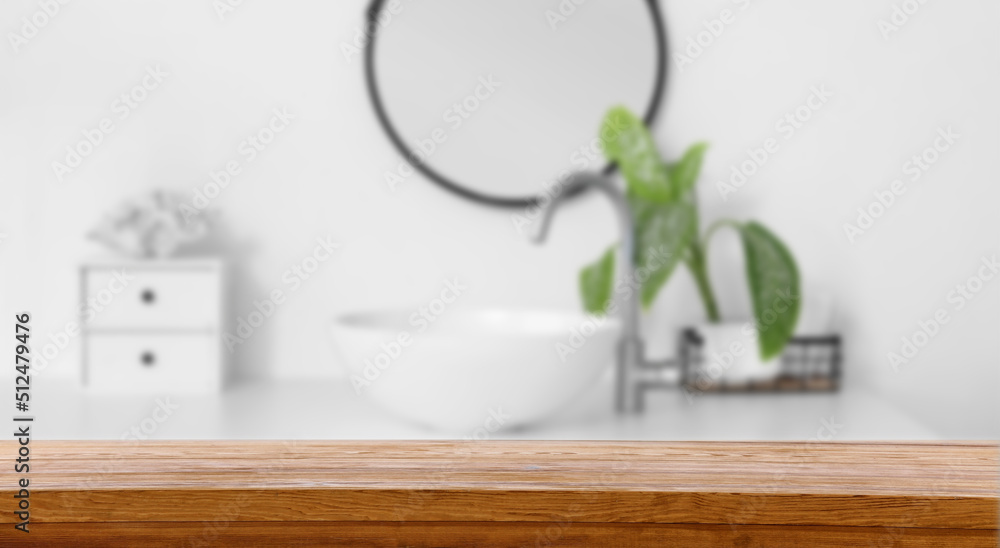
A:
(917, 490)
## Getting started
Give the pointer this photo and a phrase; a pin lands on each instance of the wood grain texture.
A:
(533, 534)
(691, 493)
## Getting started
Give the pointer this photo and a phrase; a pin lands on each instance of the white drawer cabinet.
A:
(152, 326)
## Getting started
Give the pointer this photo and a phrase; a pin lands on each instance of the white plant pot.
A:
(730, 353)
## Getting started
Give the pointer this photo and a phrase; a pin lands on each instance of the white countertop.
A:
(329, 409)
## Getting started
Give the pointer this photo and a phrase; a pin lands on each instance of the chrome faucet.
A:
(633, 373)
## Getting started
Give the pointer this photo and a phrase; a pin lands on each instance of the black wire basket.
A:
(807, 364)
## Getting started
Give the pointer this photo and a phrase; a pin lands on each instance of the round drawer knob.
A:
(148, 358)
(148, 296)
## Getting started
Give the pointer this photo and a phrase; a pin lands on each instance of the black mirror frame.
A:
(414, 160)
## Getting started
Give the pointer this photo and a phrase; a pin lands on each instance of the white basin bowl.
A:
(474, 372)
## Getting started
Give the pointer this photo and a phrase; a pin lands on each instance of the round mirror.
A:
(497, 100)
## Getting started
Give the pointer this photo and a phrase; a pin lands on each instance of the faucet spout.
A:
(630, 348)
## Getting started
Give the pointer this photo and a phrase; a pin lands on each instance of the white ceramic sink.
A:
(474, 372)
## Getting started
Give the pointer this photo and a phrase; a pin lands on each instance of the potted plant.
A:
(664, 208)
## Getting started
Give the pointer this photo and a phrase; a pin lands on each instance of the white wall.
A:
(324, 175)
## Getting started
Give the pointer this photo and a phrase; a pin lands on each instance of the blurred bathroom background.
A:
(216, 73)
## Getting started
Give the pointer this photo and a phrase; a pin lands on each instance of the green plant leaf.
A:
(596, 280)
(627, 142)
(774, 287)
(684, 172)
(662, 233)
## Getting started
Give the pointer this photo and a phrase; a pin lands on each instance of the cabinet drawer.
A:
(153, 362)
(144, 298)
